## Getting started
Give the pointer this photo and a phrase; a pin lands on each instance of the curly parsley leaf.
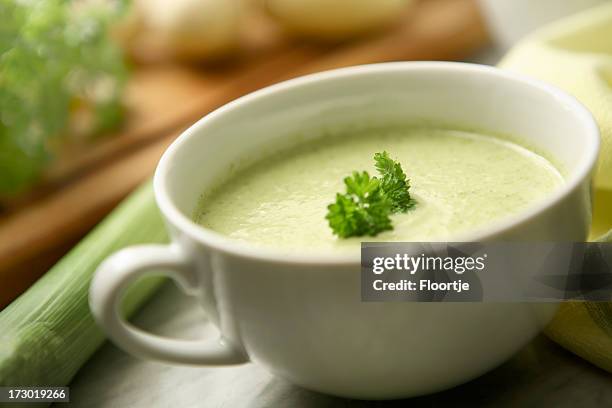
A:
(394, 182)
(362, 210)
(366, 206)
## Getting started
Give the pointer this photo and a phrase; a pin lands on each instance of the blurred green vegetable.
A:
(56, 58)
(48, 332)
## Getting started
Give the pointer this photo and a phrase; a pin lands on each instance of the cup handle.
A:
(111, 280)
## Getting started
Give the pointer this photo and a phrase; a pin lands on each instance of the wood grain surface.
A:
(88, 180)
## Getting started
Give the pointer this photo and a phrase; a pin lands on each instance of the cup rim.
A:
(222, 243)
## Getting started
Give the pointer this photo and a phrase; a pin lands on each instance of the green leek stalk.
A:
(48, 333)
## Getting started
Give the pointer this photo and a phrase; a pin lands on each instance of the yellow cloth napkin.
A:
(585, 328)
(575, 54)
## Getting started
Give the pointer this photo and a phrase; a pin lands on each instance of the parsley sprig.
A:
(368, 203)
(394, 184)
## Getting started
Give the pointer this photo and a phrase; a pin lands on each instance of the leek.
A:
(48, 332)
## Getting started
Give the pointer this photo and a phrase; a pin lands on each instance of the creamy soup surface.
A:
(461, 181)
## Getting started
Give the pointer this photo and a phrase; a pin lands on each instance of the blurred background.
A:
(93, 91)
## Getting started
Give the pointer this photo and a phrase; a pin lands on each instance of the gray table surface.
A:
(541, 375)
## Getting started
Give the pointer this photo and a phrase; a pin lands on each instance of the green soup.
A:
(461, 181)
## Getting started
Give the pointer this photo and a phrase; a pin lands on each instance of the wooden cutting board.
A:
(87, 181)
